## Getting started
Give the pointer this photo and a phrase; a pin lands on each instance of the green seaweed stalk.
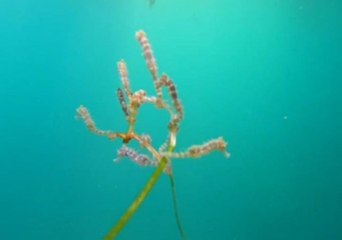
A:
(138, 201)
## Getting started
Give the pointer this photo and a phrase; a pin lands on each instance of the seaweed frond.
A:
(130, 102)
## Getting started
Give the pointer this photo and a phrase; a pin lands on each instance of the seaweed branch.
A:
(161, 157)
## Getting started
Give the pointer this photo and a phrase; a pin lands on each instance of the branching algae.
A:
(159, 158)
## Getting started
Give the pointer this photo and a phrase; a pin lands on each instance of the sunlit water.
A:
(266, 75)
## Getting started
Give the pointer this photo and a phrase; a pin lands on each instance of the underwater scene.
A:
(156, 119)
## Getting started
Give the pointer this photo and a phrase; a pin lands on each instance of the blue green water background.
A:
(265, 75)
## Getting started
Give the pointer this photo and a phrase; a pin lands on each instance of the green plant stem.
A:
(175, 208)
(113, 233)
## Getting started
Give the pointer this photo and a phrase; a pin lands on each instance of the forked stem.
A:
(113, 233)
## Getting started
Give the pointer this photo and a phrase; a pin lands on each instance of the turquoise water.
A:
(265, 75)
